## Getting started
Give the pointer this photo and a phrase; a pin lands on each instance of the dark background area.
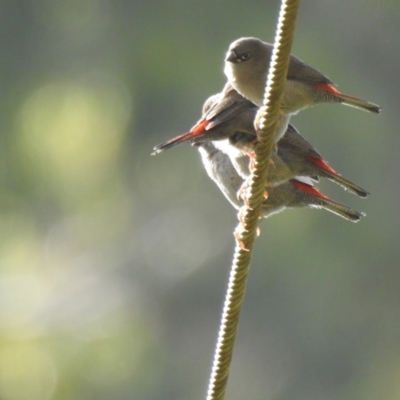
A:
(114, 264)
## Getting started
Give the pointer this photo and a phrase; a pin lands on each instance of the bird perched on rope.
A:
(246, 67)
(294, 193)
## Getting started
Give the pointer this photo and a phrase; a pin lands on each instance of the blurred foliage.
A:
(113, 263)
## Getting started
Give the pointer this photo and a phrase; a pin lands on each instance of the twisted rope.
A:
(246, 231)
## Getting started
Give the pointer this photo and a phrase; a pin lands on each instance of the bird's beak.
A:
(231, 57)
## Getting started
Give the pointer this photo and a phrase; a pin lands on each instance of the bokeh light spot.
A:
(72, 132)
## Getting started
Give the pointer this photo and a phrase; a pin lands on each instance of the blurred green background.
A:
(114, 264)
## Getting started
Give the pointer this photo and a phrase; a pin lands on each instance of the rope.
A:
(246, 231)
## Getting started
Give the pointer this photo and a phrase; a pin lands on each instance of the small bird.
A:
(235, 136)
(219, 111)
(294, 193)
(294, 157)
(246, 67)
(304, 160)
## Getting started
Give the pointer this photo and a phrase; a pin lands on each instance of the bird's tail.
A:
(351, 101)
(320, 200)
(172, 143)
(340, 209)
(196, 132)
(348, 185)
(331, 174)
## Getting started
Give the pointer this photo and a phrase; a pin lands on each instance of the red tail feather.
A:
(322, 164)
(327, 87)
(331, 89)
(309, 189)
(200, 127)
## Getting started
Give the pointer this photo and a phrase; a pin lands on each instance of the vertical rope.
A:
(247, 230)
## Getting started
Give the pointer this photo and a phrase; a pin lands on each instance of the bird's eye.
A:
(245, 56)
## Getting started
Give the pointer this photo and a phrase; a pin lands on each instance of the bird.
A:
(219, 112)
(246, 67)
(294, 156)
(236, 136)
(304, 160)
(294, 193)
